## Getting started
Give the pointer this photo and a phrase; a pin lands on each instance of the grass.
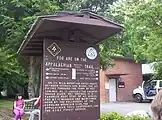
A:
(6, 104)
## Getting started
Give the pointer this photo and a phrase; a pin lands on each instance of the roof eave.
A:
(29, 34)
(36, 25)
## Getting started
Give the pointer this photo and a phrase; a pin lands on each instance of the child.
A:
(18, 107)
(37, 103)
(36, 111)
(156, 106)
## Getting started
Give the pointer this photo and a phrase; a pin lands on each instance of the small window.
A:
(160, 84)
(153, 84)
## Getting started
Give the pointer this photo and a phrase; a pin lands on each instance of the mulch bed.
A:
(7, 114)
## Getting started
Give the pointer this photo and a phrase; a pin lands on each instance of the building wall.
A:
(132, 80)
(103, 78)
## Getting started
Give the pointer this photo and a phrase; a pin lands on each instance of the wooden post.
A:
(31, 91)
(37, 68)
(40, 79)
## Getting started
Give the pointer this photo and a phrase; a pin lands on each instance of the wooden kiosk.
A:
(65, 46)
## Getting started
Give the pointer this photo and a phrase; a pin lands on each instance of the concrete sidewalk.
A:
(124, 107)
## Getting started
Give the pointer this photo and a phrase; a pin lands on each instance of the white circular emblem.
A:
(91, 53)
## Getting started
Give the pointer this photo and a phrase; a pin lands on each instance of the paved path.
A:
(124, 108)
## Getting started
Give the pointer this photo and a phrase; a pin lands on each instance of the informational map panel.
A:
(70, 81)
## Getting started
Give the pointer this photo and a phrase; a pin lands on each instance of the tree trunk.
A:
(37, 67)
(31, 92)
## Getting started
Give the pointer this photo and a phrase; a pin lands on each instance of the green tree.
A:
(142, 21)
(99, 6)
(15, 20)
(141, 36)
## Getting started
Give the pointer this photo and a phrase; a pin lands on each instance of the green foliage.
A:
(11, 73)
(15, 20)
(142, 33)
(116, 116)
(99, 6)
(141, 36)
(112, 116)
(158, 71)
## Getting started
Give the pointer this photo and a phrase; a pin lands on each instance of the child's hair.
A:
(156, 106)
(16, 98)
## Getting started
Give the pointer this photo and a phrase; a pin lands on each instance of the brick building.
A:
(117, 83)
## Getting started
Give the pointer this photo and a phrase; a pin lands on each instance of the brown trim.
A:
(113, 77)
(117, 74)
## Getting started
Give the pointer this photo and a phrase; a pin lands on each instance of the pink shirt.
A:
(20, 103)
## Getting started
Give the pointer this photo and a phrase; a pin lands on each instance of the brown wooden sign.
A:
(70, 81)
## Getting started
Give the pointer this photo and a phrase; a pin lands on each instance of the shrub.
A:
(116, 116)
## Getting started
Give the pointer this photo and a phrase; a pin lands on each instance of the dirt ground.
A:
(6, 114)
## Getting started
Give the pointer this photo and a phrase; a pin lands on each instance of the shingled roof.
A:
(90, 27)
